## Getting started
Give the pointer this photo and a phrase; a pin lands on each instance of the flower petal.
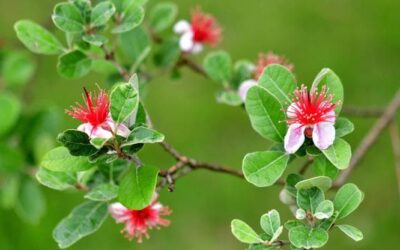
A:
(294, 138)
(99, 132)
(323, 135)
(86, 128)
(197, 48)
(186, 42)
(330, 116)
(292, 110)
(244, 88)
(121, 129)
(182, 26)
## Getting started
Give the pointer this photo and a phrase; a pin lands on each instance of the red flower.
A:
(311, 114)
(203, 29)
(270, 58)
(95, 113)
(137, 222)
(95, 116)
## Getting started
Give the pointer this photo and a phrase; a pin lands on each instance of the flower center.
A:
(309, 108)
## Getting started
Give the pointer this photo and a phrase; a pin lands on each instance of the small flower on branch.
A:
(203, 29)
(263, 61)
(95, 117)
(311, 115)
(138, 222)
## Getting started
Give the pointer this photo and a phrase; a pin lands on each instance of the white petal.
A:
(323, 135)
(331, 116)
(120, 130)
(100, 132)
(197, 48)
(291, 111)
(244, 88)
(186, 42)
(86, 128)
(182, 26)
(294, 138)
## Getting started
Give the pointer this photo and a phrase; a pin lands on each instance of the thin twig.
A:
(370, 138)
(185, 61)
(394, 135)
(306, 165)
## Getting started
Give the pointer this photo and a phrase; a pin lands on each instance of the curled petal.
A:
(291, 110)
(86, 128)
(294, 138)
(244, 88)
(330, 116)
(181, 27)
(186, 42)
(323, 135)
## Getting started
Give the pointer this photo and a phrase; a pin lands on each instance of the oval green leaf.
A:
(67, 17)
(124, 101)
(263, 169)
(266, 115)
(244, 232)
(218, 66)
(101, 13)
(37, 39)
(322, 182)
(59, 159)
(74, 64)
(347, 199)
(339, 153)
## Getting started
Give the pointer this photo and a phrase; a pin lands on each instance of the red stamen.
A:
(310, 108)
(270, 58)
(94, 113)
(205, 28)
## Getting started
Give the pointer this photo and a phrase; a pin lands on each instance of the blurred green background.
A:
(359, 40)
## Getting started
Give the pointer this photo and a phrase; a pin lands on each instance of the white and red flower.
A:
(138, 222)
(95, 117)
(203, 29)
(311, 115)
(263, 61)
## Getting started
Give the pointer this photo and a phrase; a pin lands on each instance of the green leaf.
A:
(77, 142)
(339, 154)
(11, 158)
(244, 232)
(103, 192)
(129, 18)
(323, 167)
(278, 81)
(9, 191)
(143, 135)
(322, 182)
(56, 180)
(324, 210)
(135, 45)
(291, 181)
(271, 224)
(84, 219)
(351, 231)
(343, 127)
(101, 13)
(137, 187)
(162, 16)
(10, 109)
(37, 39)
(74, 64)
(168, 53)
(292, 224)
(17, 68)
(95, 39)
(98, 143)
(265, 114)
(347, 199)
(60, 160)
(67, 17)
(263, 169)
(218, 66)
(31, 204)
(308, 238)
(309, 199)
(243, 70)
(124, 101)
(229, 97)
(327, 77)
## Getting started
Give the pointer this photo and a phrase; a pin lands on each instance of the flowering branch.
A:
(387, 117)
(395, 138)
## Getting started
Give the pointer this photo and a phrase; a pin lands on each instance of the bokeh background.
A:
(358, 39)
